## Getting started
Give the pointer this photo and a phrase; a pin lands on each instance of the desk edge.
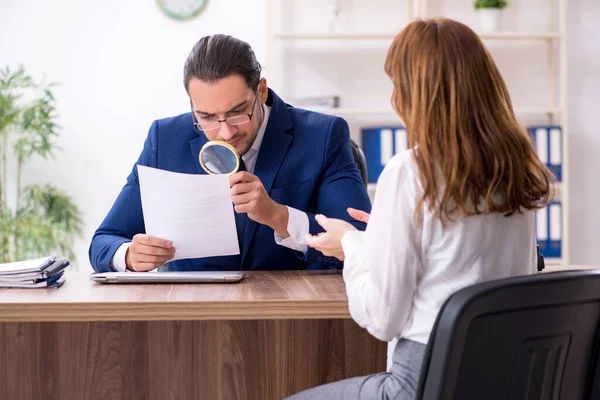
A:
(174, 311)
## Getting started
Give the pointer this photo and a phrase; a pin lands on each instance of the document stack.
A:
(37, 273)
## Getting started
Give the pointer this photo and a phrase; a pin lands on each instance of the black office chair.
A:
(360, 160)
(532, 337)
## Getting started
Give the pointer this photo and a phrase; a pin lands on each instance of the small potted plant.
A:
(490, 11)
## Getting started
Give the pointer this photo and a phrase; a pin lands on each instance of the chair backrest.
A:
(361, 161)
(531, 337)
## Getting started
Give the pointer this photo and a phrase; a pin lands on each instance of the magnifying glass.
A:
(218, 157)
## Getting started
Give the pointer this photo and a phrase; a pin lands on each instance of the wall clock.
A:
(181, 9)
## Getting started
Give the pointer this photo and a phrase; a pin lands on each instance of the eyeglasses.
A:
(235, 120)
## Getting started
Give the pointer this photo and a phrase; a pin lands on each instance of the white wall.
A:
(584, 101)
(120, 65)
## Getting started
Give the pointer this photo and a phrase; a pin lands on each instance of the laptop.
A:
(169, 277)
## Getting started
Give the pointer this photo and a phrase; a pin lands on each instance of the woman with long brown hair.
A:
(456, 209)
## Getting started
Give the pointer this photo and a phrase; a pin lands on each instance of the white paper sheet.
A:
(193, 211)
(25, 266)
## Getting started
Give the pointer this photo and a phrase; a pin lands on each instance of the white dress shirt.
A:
(298, 224)
(398, 273)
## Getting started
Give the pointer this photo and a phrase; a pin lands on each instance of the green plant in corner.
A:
(39, 219)
(499, 4)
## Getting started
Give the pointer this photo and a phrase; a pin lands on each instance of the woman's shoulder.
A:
(401, 163)
(400, 172)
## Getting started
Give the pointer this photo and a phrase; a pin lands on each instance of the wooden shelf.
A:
(558, 187)
(553, 264)
(388, 111)
(390, 36)
(536, 110)
(357, 111)
(563, 267)
(520, 35)
(334, 36)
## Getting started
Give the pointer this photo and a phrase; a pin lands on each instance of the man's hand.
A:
(249, 196)
(146, 253)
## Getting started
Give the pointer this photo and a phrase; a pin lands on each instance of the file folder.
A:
(547, 140)
(549, 230)
(542, 230)
(36, 273)
(555, 151)
(555, 231)
(380, 144)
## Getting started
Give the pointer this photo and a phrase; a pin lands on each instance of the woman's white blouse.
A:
(398, 274)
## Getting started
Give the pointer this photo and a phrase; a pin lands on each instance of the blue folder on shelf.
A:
(380, 144)
(549, 230)
(547, 140)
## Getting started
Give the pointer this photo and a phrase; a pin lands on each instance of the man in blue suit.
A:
(295, 163)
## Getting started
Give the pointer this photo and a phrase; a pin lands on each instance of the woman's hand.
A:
(330, 242)
(359, 215)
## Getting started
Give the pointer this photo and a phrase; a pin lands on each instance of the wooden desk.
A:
(556, 268)
(269, 336)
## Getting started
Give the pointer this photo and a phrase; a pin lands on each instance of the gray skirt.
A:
(400, 383)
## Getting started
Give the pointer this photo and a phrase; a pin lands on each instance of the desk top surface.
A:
(261, 295)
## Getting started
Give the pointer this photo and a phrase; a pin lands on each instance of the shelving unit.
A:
(389, 111)
(554, 112)
(335, 36)
(390, 36)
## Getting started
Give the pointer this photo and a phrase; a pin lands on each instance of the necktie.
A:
(242, 165)
(240, 218)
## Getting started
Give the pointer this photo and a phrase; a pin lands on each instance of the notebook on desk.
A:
(169, 277)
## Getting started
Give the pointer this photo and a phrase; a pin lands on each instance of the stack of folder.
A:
(548, 141)
(38, 273)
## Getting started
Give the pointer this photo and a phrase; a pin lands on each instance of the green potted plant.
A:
(35, 220)
(490, 12)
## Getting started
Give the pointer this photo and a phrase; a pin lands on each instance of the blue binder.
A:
(547, 140)
(380, 144)
(549, 230)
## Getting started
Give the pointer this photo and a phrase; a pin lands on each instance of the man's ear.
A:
(263, 90)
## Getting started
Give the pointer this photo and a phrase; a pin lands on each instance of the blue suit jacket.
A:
(305, 161)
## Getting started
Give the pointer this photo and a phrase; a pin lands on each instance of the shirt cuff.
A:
(355, 274)
(298, 226)
(118, 262)
(351, 242)
(353, 265)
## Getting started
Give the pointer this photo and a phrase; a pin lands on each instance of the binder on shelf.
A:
(542, 229)
(380, 144)
(548, 146)
(549, 230)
